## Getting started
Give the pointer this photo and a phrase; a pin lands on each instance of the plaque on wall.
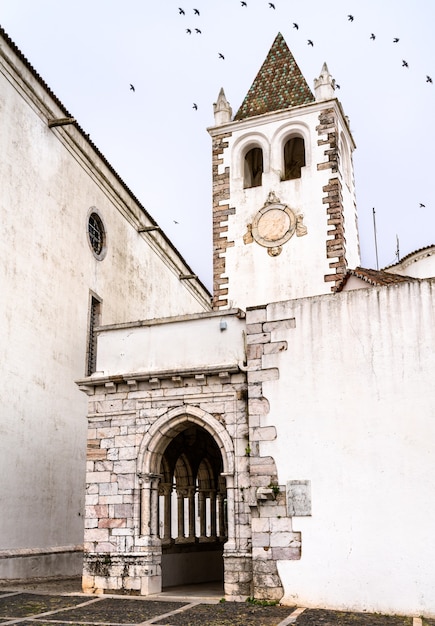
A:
(299, 498)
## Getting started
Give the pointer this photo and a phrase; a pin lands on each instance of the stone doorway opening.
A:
(186, 520)
(192, 509)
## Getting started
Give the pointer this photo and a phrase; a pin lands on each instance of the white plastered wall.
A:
(50, 179)
(354, 413)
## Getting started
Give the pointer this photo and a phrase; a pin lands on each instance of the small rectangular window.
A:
(94, 321)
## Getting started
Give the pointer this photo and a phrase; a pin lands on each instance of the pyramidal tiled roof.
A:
(278, 85)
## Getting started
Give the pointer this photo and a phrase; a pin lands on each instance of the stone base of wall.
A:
(137, 574)
(238, 576)
(50, 563)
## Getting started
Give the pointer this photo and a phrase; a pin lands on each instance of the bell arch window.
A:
(294, 158)
(253, 168)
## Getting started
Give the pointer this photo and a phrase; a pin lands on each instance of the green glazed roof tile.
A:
(278, 85)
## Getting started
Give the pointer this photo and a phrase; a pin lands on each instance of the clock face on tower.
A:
(273, 225)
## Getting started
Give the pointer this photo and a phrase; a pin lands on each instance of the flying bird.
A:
(195, 106)
(180, 11)
(372, 36)
(428, 79)
(350, 18)
(310, 43)
(132, 87)
(221, 56)
(243, 3)
(197, 31)
(271, 5)
(422, 206)
(295, 25)
(188, 31)
(404, 63)
(196, 11)
(396, 40)
(337, 86)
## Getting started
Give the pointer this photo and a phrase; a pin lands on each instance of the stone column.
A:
(154, 507)
(213, 514)
(221, 513)
(202, 514)
(166, 492)
(191, 497)
(180, 514)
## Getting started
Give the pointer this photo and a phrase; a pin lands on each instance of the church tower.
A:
(284, 211)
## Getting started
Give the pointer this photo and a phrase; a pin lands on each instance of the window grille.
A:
(94, 320)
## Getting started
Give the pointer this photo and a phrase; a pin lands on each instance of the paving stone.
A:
(28, 604)
(120, 611)
(229, 614)
(322, 617)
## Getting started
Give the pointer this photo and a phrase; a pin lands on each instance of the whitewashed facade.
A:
(279, 442)
(52, 180)
(307, 410)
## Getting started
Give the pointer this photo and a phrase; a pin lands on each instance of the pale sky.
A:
(89, 51)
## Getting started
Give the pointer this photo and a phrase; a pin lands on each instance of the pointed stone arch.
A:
(174, 421)
(185, 466)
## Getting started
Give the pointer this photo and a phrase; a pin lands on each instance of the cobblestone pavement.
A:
(63, 604)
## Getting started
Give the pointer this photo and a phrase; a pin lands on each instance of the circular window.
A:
(97, 235)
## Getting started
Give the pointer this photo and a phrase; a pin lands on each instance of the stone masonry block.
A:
(258, 406)
(255, 350)
(97, 534)
(279, 325)
(275, 347)
(97, 477)
(281, 525)
(252, 329)
(261, 554)
(260, 540)
(126, 482)
(258, 338)
(255, 315)
(281, 539)
(286, 554)
(112, 523)
(123, 510)
(266, 433)
(108, 489)
(127, 454)
(260, 525)
(124, 467)
(263, 375)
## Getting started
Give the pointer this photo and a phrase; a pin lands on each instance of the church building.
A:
(275, 438)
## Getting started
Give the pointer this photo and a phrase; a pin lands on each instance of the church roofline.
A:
(85, 136)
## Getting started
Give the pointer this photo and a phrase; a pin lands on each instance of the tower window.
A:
(253, 172)
(294, 158)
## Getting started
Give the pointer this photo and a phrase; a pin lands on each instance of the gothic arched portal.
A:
(182, 463)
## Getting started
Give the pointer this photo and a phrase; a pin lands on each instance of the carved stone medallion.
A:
(273, 225)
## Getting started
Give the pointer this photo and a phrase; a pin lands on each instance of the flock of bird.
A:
(310, 42)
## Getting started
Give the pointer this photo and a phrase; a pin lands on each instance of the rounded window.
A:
(97, 235)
